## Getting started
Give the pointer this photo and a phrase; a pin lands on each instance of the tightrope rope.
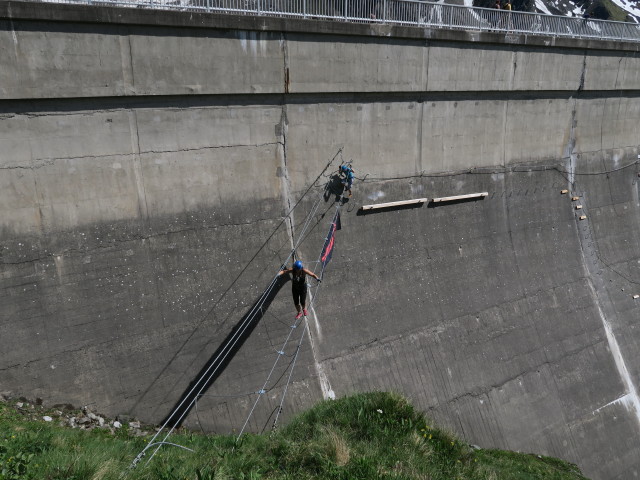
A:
(235, 337)
(226, 350)
(281, 352)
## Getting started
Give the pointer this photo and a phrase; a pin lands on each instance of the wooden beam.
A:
(460, 197)
(394, 204)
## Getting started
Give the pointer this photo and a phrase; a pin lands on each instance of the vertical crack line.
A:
(421, 104)
(126, 58)
(36, 192)
(514, 61)
(281, 137)
(133, 76)
(143, 207)
(569, 149)
(286, 181)
(583, 73)
(615, 85)
(425, 66)
(505, 116)
(602, 119)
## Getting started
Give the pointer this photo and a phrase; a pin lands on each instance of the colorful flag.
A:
(327, 250)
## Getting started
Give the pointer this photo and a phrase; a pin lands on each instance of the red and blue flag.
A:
(327, 250)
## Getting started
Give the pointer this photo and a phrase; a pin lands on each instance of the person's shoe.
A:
(305, 312)
(298, 315)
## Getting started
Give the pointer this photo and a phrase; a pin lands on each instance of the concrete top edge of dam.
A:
(39, 11)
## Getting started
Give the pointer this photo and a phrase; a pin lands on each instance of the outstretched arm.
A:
(308, 272)
(286, 270)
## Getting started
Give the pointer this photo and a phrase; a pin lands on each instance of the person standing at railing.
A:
(507, 6)
(585, 18)
(496, 20)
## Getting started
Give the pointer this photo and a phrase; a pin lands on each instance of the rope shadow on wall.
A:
(218, 362)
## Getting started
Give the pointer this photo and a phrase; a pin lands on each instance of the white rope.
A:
(229, 347)
(234, 339)
(293, 366)
(218, 361)
(281, 352)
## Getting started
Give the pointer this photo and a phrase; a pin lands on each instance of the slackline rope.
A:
(236, 336)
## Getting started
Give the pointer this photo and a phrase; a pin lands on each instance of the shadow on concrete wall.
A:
(334, 188)
(221, 358)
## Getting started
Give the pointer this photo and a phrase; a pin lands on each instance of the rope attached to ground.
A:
(208, 374)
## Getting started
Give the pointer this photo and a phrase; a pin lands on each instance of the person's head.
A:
(297, 265)
(344, 168)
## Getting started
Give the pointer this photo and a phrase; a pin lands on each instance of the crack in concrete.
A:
(583, 73)
(615, 85)
(213, 147)
(438, 329)
(9, 367)
(535, 369)
(134, 238)
(39, 163)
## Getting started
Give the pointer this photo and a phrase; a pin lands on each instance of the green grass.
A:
(367, 436)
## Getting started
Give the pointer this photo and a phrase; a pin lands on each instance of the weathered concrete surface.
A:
(147, 164)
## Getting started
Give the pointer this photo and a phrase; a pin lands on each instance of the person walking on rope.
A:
(299, 286)
(349, 175)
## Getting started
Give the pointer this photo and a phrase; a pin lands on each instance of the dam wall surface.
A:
(148, 162)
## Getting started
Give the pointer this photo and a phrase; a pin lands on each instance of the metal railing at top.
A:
(400, 12)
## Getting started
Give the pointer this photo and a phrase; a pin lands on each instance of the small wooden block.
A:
(583, 217)
(564, 191)
(575, 198)
(578, 207)
(636, 296)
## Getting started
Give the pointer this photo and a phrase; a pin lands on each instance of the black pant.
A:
(299, 294)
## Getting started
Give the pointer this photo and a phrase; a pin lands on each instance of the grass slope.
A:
(367, 436)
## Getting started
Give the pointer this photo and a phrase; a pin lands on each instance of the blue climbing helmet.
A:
(297, 265)
(344, 168)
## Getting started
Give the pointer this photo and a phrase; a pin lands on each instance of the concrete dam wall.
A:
(148, 162)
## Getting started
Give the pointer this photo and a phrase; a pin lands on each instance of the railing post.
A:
(345, 10)
(384, 11)
(304, 8)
